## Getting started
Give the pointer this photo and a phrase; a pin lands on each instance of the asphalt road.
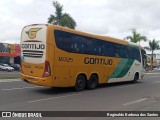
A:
(141, 96)
(9, 75)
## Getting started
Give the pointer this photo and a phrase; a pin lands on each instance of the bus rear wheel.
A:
(80, 83)
(92, 82)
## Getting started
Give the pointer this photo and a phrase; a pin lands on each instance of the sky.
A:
(113, 18)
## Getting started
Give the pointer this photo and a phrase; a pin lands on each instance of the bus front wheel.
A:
(136, 77)
(80, 83)
(92, 82)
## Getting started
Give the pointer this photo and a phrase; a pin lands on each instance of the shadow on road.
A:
(120, 84)
(54, 90)
(58, 90)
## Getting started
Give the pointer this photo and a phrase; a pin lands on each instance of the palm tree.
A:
(136, 37)
(60, 18)
(153, 45)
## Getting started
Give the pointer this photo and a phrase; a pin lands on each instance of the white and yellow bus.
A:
(56, 56)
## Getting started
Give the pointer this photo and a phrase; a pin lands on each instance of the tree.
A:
(60, 18)
(136, 37)
(153, 45)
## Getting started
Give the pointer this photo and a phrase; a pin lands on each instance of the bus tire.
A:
(92, 82)
(80, 83)
(136, 77)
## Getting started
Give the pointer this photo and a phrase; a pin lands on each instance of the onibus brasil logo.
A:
(32, 32)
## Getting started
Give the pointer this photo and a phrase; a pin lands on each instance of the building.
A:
(9, 53)
(158, 59)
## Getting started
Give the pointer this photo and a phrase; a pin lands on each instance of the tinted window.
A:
(85, 45)
(144, 59)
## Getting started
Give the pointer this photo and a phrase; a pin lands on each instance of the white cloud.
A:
(105, 17)
(23, 2)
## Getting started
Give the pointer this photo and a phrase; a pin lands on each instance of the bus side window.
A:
(76, 43)
(124, 50)
(110, 49)
(75, 47)
(96, 47)
(144, 59)
(116, 50)
(82, 44)
(67, 42)
(137, 54)
(102, 49)
(89, 46)
(59, 43)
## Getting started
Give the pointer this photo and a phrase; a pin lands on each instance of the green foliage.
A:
(136, 37)
(153, 45)
(60, 18)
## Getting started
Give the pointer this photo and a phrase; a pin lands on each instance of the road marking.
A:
(137, 101)
(125, 86)
(10, 80)
(155, 76)
(19, 88)
(156, 82)
(39, 100)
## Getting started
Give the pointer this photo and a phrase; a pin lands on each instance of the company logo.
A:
(99, 61)
(6, 114)
(32, 32)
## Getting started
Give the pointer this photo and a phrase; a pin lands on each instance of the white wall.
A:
(11, 59)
